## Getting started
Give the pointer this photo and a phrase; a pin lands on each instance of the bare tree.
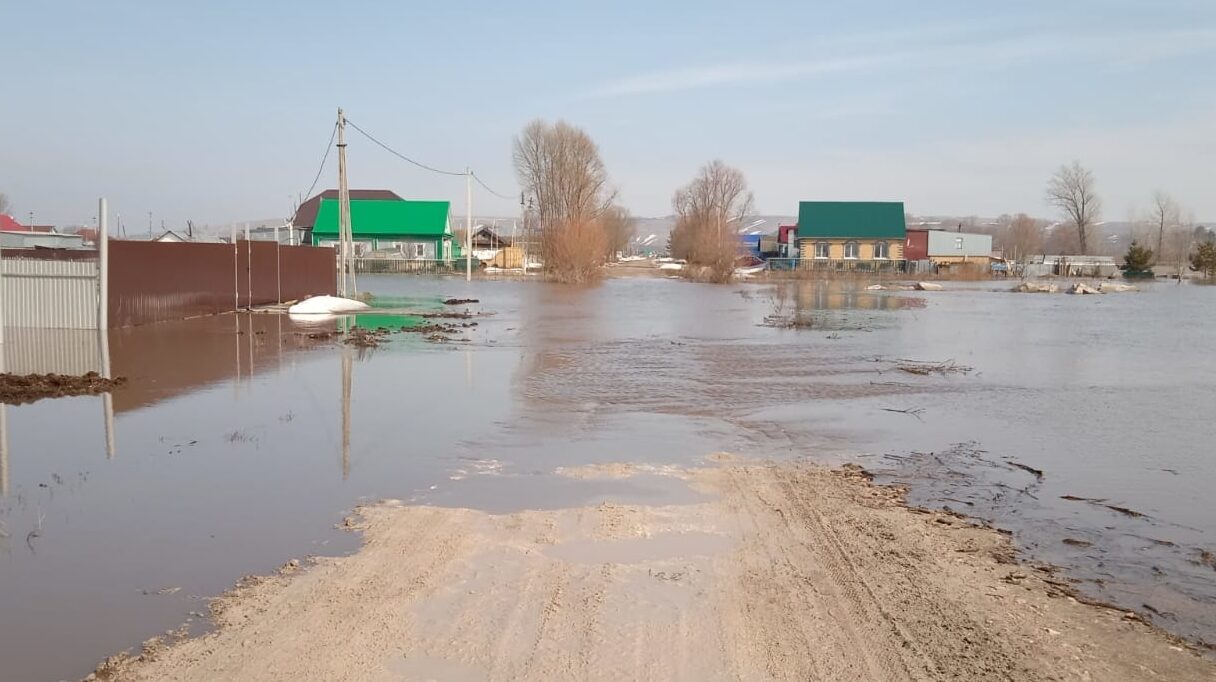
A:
(1023, 237)
(561, 167)
(1166, 216)
(707, 210)
(4, 205)
(1178, 245)
(618, 229)
(1071, 190)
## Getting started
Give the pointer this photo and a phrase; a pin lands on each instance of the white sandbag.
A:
(326, 305)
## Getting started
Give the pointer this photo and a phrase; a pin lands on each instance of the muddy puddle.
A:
(240, 442)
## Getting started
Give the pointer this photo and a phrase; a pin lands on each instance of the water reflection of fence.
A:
(55, 351)
(51, 351)
(839, 265)
(408, 266)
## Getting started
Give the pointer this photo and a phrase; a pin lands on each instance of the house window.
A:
(419, 250)
(850, 250)
(882, 250)
(958, 243)
(821, 250)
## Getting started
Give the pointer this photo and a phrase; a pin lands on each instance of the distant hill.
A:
(660, 228)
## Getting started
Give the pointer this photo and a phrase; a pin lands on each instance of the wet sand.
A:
(788, 571)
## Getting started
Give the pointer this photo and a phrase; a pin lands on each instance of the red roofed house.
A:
(9, 224)
(14, 235)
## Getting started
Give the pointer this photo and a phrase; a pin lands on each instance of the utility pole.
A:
(343, 204)
(149, 225)
(468, 225)
(103, 271)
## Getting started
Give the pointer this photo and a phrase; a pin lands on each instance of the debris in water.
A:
(238, 436)
(1091, 500)
(1038, 473)
(926, 367)
(1155, 612)
(1124, 510)
(16, 389)
(1077, 543)
(1206, 558)
(913, 411)
(460, 301)
(366, 338)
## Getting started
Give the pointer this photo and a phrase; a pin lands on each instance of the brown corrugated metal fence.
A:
(154, 281)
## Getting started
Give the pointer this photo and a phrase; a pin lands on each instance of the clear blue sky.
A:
(220, 110)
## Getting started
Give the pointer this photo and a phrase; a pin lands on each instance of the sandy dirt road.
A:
(786, 572)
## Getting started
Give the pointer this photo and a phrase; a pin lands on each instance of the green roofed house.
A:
(386, 225)
(869, 234)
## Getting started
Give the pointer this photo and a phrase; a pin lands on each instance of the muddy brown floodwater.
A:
(238, 443)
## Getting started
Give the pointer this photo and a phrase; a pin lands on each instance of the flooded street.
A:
(240, 443)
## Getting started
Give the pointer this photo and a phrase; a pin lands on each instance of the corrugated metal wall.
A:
(49, 294)
(943, 243)
(156, 281)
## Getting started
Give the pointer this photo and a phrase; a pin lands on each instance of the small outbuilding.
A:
(945, 248)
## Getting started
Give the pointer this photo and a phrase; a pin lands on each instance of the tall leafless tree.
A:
(4, 205)
(560, 166)
(1071, 190)
(708, 210)
(1179, 243)
(1166, 216)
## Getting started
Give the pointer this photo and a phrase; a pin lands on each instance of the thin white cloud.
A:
(735, 74)
(1120, 48)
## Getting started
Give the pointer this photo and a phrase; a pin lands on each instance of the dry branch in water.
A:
(914, 411)
(925, 368)
(1037, 473)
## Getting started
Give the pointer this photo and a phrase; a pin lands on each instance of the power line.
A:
(328, 146)
(398, 154)
(423, 166)
(487, 188)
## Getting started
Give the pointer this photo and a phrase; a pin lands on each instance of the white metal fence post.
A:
(103, 318)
